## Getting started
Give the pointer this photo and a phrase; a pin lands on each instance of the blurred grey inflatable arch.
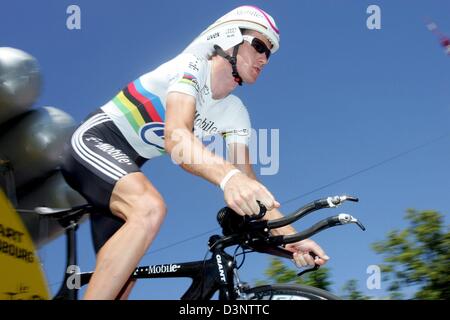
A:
(41, 135)
(34, 143)
(32, 146)
(52, 192)
(20, 82)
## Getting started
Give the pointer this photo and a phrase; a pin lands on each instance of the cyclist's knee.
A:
(142, 209)
(149, 209)
(138, 201)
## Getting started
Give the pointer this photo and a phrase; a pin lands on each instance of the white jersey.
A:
(139, 109)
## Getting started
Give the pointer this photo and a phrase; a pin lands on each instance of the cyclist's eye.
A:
(260, 47)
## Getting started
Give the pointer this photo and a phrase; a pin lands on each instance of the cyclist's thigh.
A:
(96, 158)
(126, 193)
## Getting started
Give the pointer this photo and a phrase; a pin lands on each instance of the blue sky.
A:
(343, 97)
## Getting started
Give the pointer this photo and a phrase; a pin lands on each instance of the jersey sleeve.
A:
(239, 126)
(188, 75)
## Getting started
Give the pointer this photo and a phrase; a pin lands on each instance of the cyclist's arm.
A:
(186, 149)
(239, 152)
(239, 155)
(189, 152)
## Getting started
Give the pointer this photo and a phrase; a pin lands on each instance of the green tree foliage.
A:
(278, 272)
(418, 256)
(351, 292)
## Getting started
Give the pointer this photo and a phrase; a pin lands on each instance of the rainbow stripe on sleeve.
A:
(139, 106)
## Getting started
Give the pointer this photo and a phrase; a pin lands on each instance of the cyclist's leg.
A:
(126, 290)
(92, 167)
(135, 200)
(103, 227)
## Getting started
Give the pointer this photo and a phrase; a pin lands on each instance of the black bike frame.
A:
(218, 272)
(208, 276)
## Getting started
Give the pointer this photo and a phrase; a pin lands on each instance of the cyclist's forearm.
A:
(189, 152)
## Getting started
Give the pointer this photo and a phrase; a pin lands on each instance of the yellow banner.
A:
(21, 275)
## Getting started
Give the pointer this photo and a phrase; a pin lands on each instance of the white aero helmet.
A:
(253, 18)
(225, 33)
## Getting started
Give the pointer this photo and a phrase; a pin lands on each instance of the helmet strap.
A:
(232, 60)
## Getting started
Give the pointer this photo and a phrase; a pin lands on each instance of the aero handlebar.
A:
(256, 233)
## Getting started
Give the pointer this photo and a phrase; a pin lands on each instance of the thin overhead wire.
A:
(336, 181)
(373, 166)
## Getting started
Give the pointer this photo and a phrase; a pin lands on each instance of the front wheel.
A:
(288, 292)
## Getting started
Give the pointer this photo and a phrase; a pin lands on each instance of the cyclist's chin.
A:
(249, 79)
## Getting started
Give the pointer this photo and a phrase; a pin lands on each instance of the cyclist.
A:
(168, 110)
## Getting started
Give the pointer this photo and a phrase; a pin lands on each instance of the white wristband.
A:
(227, 177)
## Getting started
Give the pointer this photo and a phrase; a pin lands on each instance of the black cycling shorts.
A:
(95, 158)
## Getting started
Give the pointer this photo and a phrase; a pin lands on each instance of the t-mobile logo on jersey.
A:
(204, 124)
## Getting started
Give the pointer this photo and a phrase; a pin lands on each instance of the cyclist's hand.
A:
(241, 193)
(302, 257)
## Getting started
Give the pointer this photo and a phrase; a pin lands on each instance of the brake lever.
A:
(314, 268)
(345, 218)
(261, 214)
(349, 198)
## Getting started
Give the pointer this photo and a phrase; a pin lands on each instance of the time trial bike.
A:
(219, 272)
